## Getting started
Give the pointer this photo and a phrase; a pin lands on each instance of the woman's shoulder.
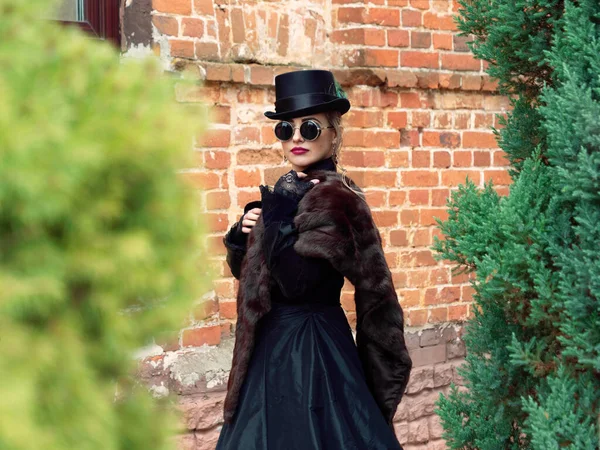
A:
(335, 191)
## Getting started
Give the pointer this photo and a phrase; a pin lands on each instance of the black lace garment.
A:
(295, 279)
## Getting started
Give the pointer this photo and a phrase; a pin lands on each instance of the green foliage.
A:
(99, 242)
(532, 370)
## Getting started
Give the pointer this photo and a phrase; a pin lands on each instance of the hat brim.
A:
(341, 105)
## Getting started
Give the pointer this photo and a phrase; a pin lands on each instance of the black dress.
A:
(305, 387)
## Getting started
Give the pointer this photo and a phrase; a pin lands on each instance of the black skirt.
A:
(305, 388)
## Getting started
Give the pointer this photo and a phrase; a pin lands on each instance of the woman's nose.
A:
(297, 137)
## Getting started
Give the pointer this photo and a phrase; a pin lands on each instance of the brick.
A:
(428, 216)
(217, 200)
(192, 27)
(375, 199)
(269, 156)
(400, 158)
(205, 309)
(228, 310)
(424, 60)
(409, 138)
(460, 62)
(388, 17)
(420, 39)
(224, 288)
(385, 218)
(479, 139)
(428, 80)
(428, 355)
(401, 429)
(501, 158)
(183, 7)
(398, 38)
(215, 159)
(196, 337)
(420, 178)
(409, 217)
(182, 49)
(239, 30)
(417, 278)
(216, 221)
(261, 75)
(450, 80)
(215, 138)
(377, 57)
(481, 159)
(453, 178)
(351, 15)
(380, 178)
(483, 120)
(439, 197)
(421, 238)
(418, 197)
(246, 178)
(246, 135)
(435, 427)
(420, 119)
(418, 431)
(410, 100)
(166, 25)
(349, 36)
(461, 43)
(430, 337)
(456, 348)
(438, 315)
(441, 159)
(397, 119)
(498, 177)
(387, 139)
(442, 41)
(417, 318)
(420, 4)
(397, 198)
(471, 82)
(449, 294)
(208, 51)
(411, 18)
(439, 22)
(443, 374)
(202, 180)
(203, 7)
(462, 120)
(462, 158)
(410, 298)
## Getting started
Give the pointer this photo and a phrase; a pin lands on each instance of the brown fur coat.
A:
(335, 224)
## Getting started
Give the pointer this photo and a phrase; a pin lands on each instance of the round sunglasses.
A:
(310, 130)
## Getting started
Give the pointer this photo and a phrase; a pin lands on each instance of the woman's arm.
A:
(235, 240)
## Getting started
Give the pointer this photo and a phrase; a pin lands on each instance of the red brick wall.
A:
(422, 109)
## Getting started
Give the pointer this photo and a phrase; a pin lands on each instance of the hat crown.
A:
(303, 92)
(304, 82)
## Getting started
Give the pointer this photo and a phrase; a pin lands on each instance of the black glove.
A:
(291, 186)
(281, 204)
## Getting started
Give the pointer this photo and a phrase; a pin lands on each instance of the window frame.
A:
(101, 20)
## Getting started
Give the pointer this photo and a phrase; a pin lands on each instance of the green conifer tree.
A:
(99, 241)
(532, 369)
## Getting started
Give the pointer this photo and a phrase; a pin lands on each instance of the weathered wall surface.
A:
(422, 109)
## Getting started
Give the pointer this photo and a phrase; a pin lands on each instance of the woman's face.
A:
(302, 153)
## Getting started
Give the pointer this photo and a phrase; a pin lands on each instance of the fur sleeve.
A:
(336, 224)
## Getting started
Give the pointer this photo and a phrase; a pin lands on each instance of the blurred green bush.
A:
(99, 237)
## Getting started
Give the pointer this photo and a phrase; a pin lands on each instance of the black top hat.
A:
(305, 92)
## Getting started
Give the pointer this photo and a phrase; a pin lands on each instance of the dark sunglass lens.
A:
(283, 131)
(309, 130)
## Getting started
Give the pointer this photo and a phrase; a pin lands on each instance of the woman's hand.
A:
(249, 219)
(303, 175)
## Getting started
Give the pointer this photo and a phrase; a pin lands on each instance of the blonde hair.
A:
(335, 120)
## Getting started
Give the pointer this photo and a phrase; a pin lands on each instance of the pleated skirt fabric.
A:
(305, 388)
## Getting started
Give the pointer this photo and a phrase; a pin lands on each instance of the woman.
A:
(298, 380)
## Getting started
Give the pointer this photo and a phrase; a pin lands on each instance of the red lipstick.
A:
(299, 150)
